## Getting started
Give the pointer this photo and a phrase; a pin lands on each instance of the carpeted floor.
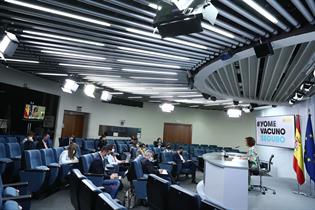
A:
(283, 200)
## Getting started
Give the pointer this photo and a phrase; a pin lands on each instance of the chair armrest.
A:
(17, 184)
(36, 169)
(91, 174)
(16, 158)
(16, 198)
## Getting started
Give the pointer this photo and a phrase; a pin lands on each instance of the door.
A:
(177, 133)
(73, 124)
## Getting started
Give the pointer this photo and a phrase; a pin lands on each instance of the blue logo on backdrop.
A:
(272, 138)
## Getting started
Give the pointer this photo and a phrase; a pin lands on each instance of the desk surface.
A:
(233, 161)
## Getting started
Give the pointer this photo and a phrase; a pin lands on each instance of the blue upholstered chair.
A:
(207, 205)
(3, 140)
(180, 198)
(49, 160)
(65, 168)
(75, 178)
(88, 146)
(157, 190)
(139, 180)
(4, 160)
(14, 153)
(87, 194)
(79, 142)
(35, 172)
(11, 139)
(105, 201)
(85, 162)
(167, 161)
(17, 192)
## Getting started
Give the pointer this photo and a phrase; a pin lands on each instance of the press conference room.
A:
(157, 104)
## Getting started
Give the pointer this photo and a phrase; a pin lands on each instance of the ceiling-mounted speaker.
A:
(205, 95)
(263, 50)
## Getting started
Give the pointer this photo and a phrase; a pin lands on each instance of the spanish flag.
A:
(298, 161)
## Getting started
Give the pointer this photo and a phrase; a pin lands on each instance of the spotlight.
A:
(306, 86)
(298, 96)
(8, 44)
(213, 98)
(235, 103)
(167, 107)
(234, 112)
(292, 101)
(89, 90)
(210, 13)
(246, 110)
(273, 106)
(106, 96)
(70, 86)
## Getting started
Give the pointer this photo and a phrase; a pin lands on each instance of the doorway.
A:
(177, 133)
(73, 124)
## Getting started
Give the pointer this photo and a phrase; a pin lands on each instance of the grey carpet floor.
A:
(283, 200)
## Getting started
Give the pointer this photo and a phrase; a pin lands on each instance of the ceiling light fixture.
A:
(20, 60)
(52, 74)
(150, 72)
(261, 10)
(154, 78)
(155, 6)
(85, 66)
(73, 55)
(161, 96)
(70, 86)
(217, 30)
(154, 53)
(63, 38)
(166, 107)
(135, 97)
(89, 90)
(234, 112)
(101, 75)
(57, 12)
(148, 64)
(8, 44)
(116, 93)
(189, 96)
(106, 96)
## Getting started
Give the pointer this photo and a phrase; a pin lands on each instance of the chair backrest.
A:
(3, 153)
(11, 139)
(199, 151)
(33, 159)
(207, 205)
(13, 150)
(180, 198)
(48, 156)
(121, 148)
(75, 178)
(88, 144)
(157, 192)
(270, 163)
(3, 140)
(167, 156)
(87, 194)
(136, 163)
(85, 162)
(57, 152)
(105, 202)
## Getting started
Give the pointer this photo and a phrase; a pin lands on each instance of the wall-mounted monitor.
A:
(34, 112)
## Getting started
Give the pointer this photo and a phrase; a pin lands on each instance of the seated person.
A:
(44, 143)
(184, 164)
(28, 142)
(68, 155)
(122, 165)
(141, 149)
(149, 168)
(111, 182)
(168, 148)
(102, 141)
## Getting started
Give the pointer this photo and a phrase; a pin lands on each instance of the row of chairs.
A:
(164, 196)
(42, 170)
(14, 195)
(86, 196)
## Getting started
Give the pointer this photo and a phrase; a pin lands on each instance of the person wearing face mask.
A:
(184, 164)
(121, 166)
(28, 142)
(68, 155)
(149, 168)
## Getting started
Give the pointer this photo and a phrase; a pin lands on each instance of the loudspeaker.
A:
(8, 44)
(263, 50)
(205, 95)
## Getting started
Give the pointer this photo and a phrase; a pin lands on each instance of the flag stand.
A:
(311, 193)
(299, 192)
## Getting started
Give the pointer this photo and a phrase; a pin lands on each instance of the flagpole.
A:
(298, 192)
(310, 186)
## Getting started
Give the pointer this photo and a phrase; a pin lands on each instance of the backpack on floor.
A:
(130, 198)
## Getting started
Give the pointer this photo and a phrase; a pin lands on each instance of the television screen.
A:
(34, 112)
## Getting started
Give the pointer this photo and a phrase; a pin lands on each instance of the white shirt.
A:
(181, 157)
(64, 158)
(111, 159)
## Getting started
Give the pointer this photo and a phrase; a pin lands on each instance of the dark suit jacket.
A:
(40, 145)
(28, 145)
(97, 167)
(148, 167)
(177, 159)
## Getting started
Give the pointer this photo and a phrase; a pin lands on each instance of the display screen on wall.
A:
(276, 131)
(119, 131)
(34, 112)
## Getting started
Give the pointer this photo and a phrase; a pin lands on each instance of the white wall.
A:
(209, 127)
(283, 160)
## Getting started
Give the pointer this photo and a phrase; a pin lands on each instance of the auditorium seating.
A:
(105, 202)
(4, 161)
(64, 168)
(206, 205)
(11, 139)
(17, 192)
(88, 146)
(87, 194)
(35, 173)
(85, 163)
(182, 199)
(75, 178)
(14, 153)
(49, 160)
(139, 179)
(157, 190)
